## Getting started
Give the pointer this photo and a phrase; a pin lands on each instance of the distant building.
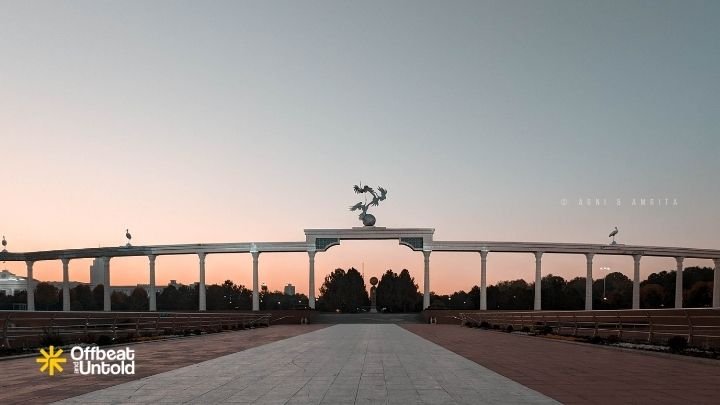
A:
(98, 269)
(289, 289)
(10, 283)
(97, 272)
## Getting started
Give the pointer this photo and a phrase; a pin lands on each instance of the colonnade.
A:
(418, 239)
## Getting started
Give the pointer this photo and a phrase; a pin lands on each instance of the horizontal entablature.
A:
(573, 248)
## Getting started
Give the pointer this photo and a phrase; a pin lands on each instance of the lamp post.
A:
(606, 270)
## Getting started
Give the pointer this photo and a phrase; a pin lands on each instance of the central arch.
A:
(417, 239)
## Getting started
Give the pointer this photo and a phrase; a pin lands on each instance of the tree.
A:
(119, 301)
(398, 292)
(138, 300)
(98, 294)
(81, 298)
(169, 298)
(46, 297)
(700, 295)
(651, 295)
(553, 292)
(516, 294)
(574, 294)
(344, 291)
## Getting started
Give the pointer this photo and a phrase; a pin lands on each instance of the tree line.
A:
(226, 296)
(346, 291)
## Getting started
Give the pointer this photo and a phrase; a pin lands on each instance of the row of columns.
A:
(589, 281)
(202, 305)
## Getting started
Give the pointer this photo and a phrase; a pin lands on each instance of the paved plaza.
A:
(341, 364)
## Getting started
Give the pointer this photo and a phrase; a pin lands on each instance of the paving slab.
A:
(21, 382)
(575, 373)
(341, 364)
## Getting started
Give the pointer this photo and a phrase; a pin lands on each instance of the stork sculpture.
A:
(612, 235)
(128, 236)
(368, 219)
(4, 244)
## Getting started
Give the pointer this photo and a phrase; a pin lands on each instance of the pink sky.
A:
(248, 122)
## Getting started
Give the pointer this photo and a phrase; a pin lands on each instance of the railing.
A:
(29, 329)
(701, 327)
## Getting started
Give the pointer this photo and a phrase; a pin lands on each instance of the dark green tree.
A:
(553, 292)
(652, 295)
(81, 298)
(138, 300)
(344, 291)
(98, 297)
(398, 292)
(119, 301)
(169, 298)
(573, 296)
(46, 297)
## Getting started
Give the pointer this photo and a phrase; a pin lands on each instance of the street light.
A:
(606, 270)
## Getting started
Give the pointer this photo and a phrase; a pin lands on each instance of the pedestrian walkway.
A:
(341, 364)
(577, 373)
(22, 382)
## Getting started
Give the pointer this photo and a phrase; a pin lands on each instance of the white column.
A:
(426, 286)
(151, 291)
(30, 286)
(538, 281)
(202, 305)
(589, 282)
(311, 292)
(256, 292)
(107, 306)
(679, 283)
(66, 284)
(636, 282)
(483, 280)
(716, 284)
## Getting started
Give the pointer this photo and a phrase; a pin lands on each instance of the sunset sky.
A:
(232, 121)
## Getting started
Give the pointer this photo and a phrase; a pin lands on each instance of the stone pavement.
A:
(576, 373)
(341, 364)
(22, 383)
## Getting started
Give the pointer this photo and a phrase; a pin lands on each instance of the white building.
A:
(289, 289)
(10, 283)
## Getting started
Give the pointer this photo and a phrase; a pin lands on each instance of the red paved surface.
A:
(22, 382)
(580, 373)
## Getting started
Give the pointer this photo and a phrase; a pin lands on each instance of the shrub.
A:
(509, 329)
(50, 338)
(496, 326)
(197, 331)
(596, 340)
(677, 343)
(104, 340)
(526, 329)
(613, 339)
(543, 329)
(484, 325)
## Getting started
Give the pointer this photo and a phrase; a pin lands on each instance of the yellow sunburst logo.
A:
(51, 361)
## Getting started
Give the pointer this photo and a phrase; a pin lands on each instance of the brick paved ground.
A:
(21, 382)
(579, 373)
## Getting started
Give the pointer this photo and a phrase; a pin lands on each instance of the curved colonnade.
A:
(417, 239)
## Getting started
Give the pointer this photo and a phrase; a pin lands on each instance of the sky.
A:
(235, 121)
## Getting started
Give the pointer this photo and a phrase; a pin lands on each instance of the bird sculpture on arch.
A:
(362, 206)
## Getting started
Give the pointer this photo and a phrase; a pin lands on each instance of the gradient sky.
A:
(231, 121)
